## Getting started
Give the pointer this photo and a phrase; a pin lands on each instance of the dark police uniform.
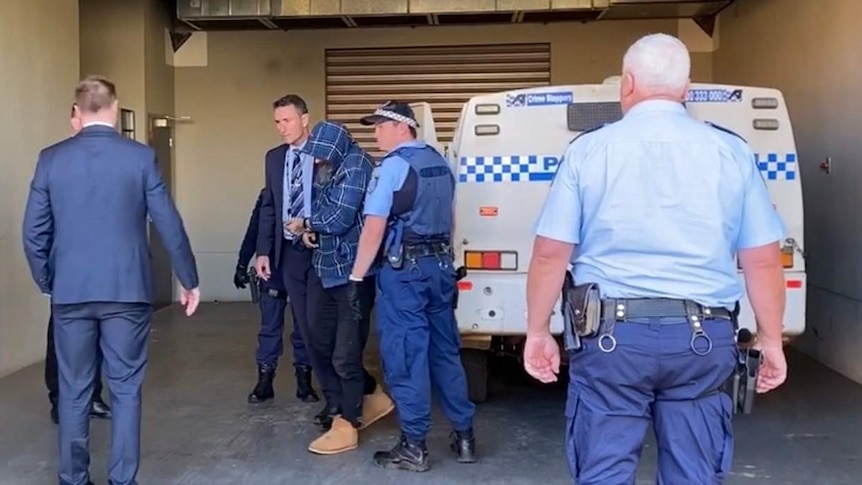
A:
(414, 189)
(273, 302)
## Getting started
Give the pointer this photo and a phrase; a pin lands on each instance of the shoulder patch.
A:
(372, 184)
(726, 130)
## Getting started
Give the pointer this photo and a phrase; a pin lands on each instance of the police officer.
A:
(657, 204)
(408, 208)
(273, 302)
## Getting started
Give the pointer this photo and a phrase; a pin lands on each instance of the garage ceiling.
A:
(327, 14)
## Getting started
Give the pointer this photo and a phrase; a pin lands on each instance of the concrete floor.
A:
(198, 429)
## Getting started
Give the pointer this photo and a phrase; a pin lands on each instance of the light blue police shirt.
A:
(307, 183)
(387, 179)
(658, 204)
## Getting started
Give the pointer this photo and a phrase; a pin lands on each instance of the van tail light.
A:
(787, 256)
(491, 260)
(787, 251)
(794, 284)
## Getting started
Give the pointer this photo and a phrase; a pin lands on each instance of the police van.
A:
(506, 149)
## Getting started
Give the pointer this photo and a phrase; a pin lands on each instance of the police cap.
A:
(392, 111)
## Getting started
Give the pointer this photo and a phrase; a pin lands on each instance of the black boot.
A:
(263, 391)
(304, 390)
(100, 410)
(464, 445)
(405, 456)
(325, 416)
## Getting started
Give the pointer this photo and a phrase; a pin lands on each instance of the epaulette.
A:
(595, 128)
(728, 131)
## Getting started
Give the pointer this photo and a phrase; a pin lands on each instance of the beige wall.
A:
(125, 41)
(158, 75)
(112, 45)
(219, 155)
(810, 50)
(36, 97)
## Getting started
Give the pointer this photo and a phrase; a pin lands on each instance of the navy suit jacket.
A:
(270, 237)
(85, 225)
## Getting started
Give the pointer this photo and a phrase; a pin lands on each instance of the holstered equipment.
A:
(582, 311)
(254, 285)
(741, 386)
(460, 274)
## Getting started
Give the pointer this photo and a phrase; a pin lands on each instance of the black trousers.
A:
(367, 295)
(52, 381)
(339, 342)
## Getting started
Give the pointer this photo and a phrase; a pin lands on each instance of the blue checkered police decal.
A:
(511, 168)
(541, 168)
(774, 168)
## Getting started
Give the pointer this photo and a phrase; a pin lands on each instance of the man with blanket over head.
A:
(342, 171)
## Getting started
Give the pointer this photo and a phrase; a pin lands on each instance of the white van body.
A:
(507, 147)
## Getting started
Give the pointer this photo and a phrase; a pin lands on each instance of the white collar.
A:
(100, 123)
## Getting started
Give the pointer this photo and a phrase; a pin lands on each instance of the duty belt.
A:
(415, 251)
(625, 308)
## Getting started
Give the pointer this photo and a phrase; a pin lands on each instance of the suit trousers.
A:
(52, 382)
(121, 331)
(304, 289)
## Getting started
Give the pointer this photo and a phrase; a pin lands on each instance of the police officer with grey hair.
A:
(651, 210)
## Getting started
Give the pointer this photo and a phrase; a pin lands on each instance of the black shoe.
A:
(325, 416)
(263, 391)
(464, 445)
(100, 410)
(405, 456)
(304, 390)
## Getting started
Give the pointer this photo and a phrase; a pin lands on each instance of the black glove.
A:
(240, 278)
(353, 298)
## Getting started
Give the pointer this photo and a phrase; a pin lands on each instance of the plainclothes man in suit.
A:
(85, 238)
(98, 408)
(287, 195)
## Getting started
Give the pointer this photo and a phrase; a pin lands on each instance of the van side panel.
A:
(507, 148)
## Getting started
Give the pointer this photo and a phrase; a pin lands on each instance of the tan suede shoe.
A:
(375, 407)
(340, 438)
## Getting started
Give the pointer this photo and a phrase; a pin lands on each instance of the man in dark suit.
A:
(85, 238)
(98, 408)
(287, 194)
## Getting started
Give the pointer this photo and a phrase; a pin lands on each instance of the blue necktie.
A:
(296, 195)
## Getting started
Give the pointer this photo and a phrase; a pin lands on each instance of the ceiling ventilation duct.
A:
(317, 14)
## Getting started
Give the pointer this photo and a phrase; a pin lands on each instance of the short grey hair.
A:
(660, 63)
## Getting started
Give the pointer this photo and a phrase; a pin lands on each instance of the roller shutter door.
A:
(358, 80)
